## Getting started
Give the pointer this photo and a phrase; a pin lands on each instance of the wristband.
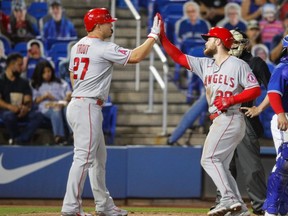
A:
(154, 36)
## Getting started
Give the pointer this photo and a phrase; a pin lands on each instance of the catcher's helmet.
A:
(221, 33)
(285, 42)
(97, 16)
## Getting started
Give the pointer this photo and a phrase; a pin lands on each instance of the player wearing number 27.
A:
(229, 82)
(90, 67)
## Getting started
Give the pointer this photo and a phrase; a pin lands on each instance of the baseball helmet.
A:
(221, 33)
(97, 16)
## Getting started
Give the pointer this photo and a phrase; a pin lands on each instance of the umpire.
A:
(247, 154)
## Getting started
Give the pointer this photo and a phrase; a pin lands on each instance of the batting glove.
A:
(155, 30)
(223, 103)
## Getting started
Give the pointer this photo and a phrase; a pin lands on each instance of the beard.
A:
(210, 52)
(16, 74)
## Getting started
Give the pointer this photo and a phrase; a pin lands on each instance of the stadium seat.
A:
(197, 51)
(57, 53)
(21, 47)
(6, 6)
(155, 6)
(171, 13)
(109, 123)
(189, 43)
(48, 43)
(38, 9)
(6, 43)
(122, 4)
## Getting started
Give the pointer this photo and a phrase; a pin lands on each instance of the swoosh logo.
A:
(10, 175)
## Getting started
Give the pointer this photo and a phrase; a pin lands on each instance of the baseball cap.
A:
(18, 5)
(253, 24)
(54, 2)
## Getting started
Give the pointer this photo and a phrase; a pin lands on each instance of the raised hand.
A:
(155, 30)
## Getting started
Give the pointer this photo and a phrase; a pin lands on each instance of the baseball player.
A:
(277, 186)
(247, 154)
(229, 82)
(90, 67)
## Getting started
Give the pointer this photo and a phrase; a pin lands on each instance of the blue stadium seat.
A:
(48, 43)
(38, 9)
(197, 51)
(189, 44)
(109, 123)
(21, 47)
(155, 6)
(122, 4)
(57, 53)
(171, 13)
(6, 43)
(6, 6)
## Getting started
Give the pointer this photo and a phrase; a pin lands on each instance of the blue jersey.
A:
(279, 82)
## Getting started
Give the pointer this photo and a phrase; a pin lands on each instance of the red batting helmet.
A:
(221, 33)
(97, 16)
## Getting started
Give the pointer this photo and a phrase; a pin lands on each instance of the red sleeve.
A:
(174, 52)
(276, 102)
(247, 95)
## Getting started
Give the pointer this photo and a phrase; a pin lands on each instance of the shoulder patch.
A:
(251, 78)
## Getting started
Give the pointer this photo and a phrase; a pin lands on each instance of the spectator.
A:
(2, 58)
(188, 33)
(269, 25)
(213, 11)
(188, 30)
(282, 6)
(34, 55)
(23, 26)
(58, 27)
(51, 94)
(232, 19)
(252, 9)
(262, 51)
(253, 33)
(276, 45)
(16, 102)
(5, 27)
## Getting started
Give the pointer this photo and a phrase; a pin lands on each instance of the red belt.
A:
(99, 102)
(215, 115)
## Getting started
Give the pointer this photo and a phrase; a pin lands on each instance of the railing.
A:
(113, 12)
(162, 82)
(137, 17)
(153, 71)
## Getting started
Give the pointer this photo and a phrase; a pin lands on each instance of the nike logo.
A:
(10, 175)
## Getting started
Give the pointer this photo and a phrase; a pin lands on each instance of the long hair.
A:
(37, 78)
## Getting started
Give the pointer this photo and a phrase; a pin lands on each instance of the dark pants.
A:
(31, 122)
(247, 156)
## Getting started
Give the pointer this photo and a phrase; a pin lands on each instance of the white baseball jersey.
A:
(91, 62)
(227, 79)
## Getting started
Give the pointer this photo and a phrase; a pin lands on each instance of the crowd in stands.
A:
(35, 44)
(34, 35)
(28, 60)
